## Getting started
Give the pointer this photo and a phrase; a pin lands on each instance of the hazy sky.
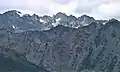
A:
(100, 9)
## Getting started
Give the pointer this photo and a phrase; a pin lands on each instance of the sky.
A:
(99, 9)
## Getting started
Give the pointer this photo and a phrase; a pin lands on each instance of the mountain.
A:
(11, 61)
(60, 43)
(20, 23)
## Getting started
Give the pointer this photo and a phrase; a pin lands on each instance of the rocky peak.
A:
(113, 20)
(27, 16)
(34, 16)
(12, 13)
(113, 23)
(86, 16)
(86, 20)
(72, 17)
(60, 14)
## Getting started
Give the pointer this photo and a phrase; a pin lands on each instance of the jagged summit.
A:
(61, 14)
(86, 16)
(12, 11)
(34, 22)
(113, 20)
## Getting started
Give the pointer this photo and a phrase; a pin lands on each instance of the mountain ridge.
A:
(35, 22)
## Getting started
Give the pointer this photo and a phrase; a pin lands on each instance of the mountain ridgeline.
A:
(59, 43)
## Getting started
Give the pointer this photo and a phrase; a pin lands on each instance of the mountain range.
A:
(60, 43)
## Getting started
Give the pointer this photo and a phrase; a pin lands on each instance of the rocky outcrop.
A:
(10, 61)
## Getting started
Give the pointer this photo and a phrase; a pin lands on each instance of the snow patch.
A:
(13, 26)
(20, 14)
(77, 27)
(84, 22)
(43, 21)
(58, 19)
(56, 23)
(104, 23)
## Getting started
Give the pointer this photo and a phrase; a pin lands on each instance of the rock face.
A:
(11, 61)
(63, 43)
